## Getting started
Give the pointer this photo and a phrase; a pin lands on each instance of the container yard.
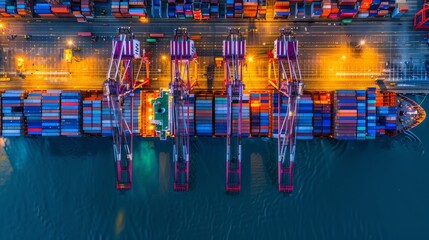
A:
(83, 10)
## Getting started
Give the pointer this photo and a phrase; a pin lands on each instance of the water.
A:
(64, 188)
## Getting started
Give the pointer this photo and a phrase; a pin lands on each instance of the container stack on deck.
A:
(304, 120)
(276, 114)
(12, 111)
(33, 113)
(361, 115)
(259, 109)
(106, 118)
(300, 10)
(220, 115)
(345, 109)
(371, 113)
(71, 116)
(51, 119)
(191, 124)
(136, 111)
(245, 117)
(281, 8)
(204, 115)
(322, 114)
(92, 115)
(43, 9)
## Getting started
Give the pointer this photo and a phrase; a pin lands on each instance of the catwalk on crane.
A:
(182, 53)
(119, 85)
(234, 53)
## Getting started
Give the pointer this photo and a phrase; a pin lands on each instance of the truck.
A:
(197, 37)
(151, 40)
(84, 34)
(68, 55)
(156, 35)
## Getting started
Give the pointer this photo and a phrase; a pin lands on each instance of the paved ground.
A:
(329, 56)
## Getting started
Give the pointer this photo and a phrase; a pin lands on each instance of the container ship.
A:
(342, 114)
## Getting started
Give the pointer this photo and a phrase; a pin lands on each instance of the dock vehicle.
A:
(84, 34)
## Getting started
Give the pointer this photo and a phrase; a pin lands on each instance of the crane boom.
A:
(118, 86)
(182, 52)
(234, 52)
(289, 85)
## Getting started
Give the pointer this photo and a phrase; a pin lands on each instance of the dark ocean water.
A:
(64, 188)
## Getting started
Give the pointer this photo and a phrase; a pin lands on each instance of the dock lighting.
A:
(250, 59)
(344, 57)
(69, 42)
(1, 25)
(362, 42)
(164, 57)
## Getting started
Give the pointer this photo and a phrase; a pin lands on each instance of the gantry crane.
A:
(289, 84)
(120, 84)
(234, 53)
(182, 52)
(421, 18)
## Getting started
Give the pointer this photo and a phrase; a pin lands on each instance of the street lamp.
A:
(70, 42)
(362, 42)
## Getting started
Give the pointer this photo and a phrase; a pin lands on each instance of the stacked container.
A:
(43, 9)
(8, 8)
(304, 120)
(214, 9)
(137, 8)
(250, 8)
(361, 114)
(204, 115)
(197, 10)
(316, 9)
(71, 114)
(33, 113)
(205, 9)
(348, 8)
(300, 10)
(156, 8)
(136, 110)
(12, 109)
(371, 113)
(345, 114)
(92, 115)
(322, 114)
(180, 11)
(22, 7)
(51, 119)
(281, 8)
(171, 9)
(220, 115)
(262, 9)
(188, 9)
